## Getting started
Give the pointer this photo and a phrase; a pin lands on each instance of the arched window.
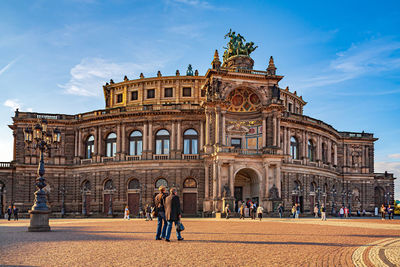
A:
(135, 143)
(162, 142)
(294, 148)
(89, 147)
(111, 145)
(324, 153)
(333, 155)
(134, 184)
(108, 185)
(190, 142)
(161, 182)
(86, 186)
(190, 183)
(310, 151)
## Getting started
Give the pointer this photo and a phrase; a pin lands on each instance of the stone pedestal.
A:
(39, 221)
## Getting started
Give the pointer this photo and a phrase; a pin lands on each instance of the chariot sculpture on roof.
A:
(237, 46)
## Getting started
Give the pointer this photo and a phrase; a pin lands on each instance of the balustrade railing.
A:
(5, 164)
(190, 156)
(160, 157)
(133, 157)
(86, 161)
(107, 159)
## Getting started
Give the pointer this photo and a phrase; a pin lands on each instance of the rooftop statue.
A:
(237, 46)
(189, 71)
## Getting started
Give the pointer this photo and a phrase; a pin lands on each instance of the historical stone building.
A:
(230, 135)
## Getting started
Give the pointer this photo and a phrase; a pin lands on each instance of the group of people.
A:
(168, 212)
(148, 210)
(12, 211)
(389, 210)
(250, 209)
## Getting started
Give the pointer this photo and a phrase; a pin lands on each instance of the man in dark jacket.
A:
(172, 214)
(159, 202)
(15, 212)
(9, 212)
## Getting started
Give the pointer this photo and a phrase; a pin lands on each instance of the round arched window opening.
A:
(134, 184)
(161, 182)
(135, 143)
(108, 185)
(89, 147)
(190, 142)
(162, 142)
(111, 145)
(86, 186)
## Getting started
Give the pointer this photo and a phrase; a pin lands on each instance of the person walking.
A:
(227, 211)
(280, 210)
(341, 212)
(346, 212)
(160, 213)
(173, 214)
(297, 210)
(126, 213)
(241, 211)
(148, 213)
(260, 211)
(9, 212)
(323, 213)
(316, 211)
(383, 212)
(390, 212)
(251, 206)
(294, 211)
(15, 212)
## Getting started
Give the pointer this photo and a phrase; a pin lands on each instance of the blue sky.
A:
(343, 57)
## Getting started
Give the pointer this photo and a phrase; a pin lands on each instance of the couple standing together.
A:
(168, 210)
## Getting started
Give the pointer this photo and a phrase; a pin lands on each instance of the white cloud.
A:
(90, 74)
(369, 57)
(394, 156)
(391, 167)
(12, 103)
(15, 104)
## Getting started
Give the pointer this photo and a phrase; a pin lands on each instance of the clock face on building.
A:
(243, 100)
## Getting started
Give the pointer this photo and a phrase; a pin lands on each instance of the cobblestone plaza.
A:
(208, 242)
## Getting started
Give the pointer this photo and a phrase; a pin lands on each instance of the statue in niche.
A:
(273, 192)
(227, 191)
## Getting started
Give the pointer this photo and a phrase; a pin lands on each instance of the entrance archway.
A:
(247, 186)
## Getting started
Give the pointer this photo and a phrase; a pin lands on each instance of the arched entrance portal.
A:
(246, 186)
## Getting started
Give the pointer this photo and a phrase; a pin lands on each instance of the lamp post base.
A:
(39, 221)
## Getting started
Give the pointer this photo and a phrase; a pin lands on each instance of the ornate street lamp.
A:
(111, 189)
(343, 196)
(84, 192)
(62, 192)
(388, 196)
(333, 192)
(349, 195)
(41, 138)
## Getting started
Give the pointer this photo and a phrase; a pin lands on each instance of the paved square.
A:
(208, 242)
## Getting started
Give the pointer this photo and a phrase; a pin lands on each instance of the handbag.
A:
(180, 227)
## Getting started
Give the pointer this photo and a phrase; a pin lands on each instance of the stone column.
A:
(278, 132)
(201, 136)
(288, 141)
(266, 174)
(223, 128)
(335, 154)
(150, 138)
(76, 143)
(264, 131)
(179, 136)
(173, 137)
(344, 155)
(278, 179)
(215, 180)
(219, 181)
(207, 134)
(319, 148)
(118, 138)
(123, 140)
(207, 181)
(231, 179)
(96, 141)
(100, 143)
(274, 131)
(217, 128)
(145, 134)
(367, 156)
(80, 143)
(329, 156)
